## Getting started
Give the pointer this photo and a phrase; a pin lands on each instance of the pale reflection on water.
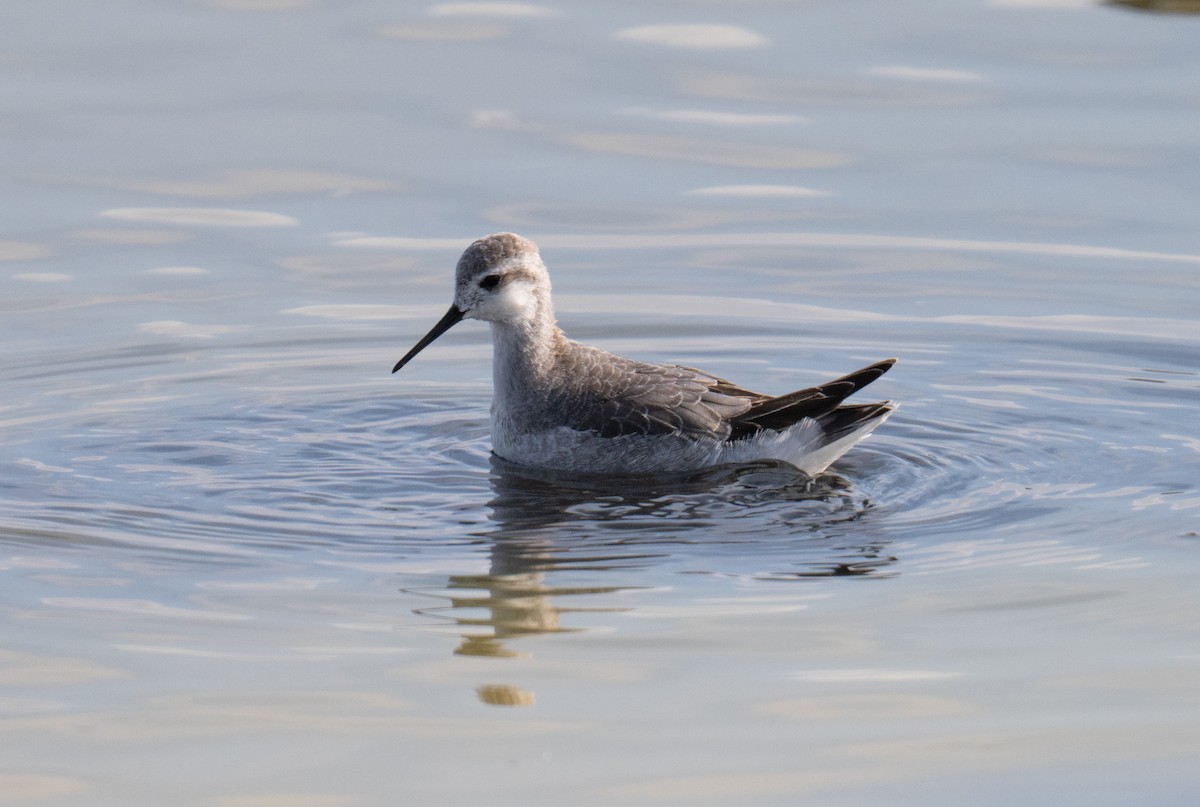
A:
(548, 524)
(243, 567)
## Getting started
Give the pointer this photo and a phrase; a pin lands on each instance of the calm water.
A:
(243, 566)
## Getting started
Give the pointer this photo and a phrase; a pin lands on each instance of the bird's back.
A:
(606, 406)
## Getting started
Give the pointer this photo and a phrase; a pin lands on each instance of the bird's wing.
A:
(614, 396)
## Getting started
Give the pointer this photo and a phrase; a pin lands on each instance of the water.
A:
(243, 566)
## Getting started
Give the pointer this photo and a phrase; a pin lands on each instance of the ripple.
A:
(1042, 4)
(42, 277)
(176, 271)
(497, 9)
(230, 485)
(352, 311)
(675, 241)
(23, 251)
(139, 608)
(371, 478)
(444, 30)
(872, 676)
(185, 330)
(804, 92)
(909, 73)
(252, 182)
(731, 153)
(694, 36)
(758, 191)
(129, 237)
(262, 5)
(712, 117)
(200, 216)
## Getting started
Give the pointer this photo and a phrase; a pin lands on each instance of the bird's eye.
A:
(490, 282)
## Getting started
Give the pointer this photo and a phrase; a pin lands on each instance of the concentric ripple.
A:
(987, 450)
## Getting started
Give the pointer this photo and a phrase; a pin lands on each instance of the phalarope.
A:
(566, 406)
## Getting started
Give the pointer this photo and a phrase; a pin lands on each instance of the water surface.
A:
(244, 566)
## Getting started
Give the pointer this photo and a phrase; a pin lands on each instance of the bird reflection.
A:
(513, 599)
(511, 605)
(550, 523)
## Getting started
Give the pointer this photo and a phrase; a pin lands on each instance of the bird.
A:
(561, 405)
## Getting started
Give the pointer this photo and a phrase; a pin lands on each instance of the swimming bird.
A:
(566, 406)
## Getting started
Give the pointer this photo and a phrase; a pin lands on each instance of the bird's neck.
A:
(526, 349)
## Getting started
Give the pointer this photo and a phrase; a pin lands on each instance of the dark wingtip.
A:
(814, 402)
(860, 378)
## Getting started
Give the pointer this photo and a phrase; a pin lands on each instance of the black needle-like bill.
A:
(453, 316)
